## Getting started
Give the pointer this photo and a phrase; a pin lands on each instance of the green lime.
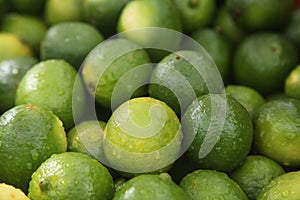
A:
(32, 7)
(276, 132)
(142, 135)
(292, 83)
(285, 186)
(114, 71)
(292, 29)
(12, 46)
(210, 184)
(56, 11)
(215, 144)
(149, 187)
(50, 84)
(28, 136)
(182, 76)
(195, 13)
(218, 47)
(263, 60)
(30, 28)
(11, 73)
(255, 173)
(69, 176)
(260, 14)
(71, 41)
(87, 137)
(103, 14)
(9, 192)
(247, 96)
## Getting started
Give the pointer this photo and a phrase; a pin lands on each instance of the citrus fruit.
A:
(9, 192)
(216, 145)
(30, 28)
(28, 136)
(32, 7)
(87, 137)
(276, 132)
(255, 173)
(50, 84)
(195, 13)
(150, 186)
(56, 11)
(11, 72)
(71, 175)
(247, 96)
(103, 14)
(292, 83)
(218, 47)
(263, 60)
(182, 76)
(260, 14)
(4, 8)
(210, 184)
(283, 187)
(115, 70)
(71, 41)
(292, 29)
(142, 135)
(12, 46)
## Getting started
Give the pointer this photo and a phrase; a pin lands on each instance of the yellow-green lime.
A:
(276, 132)
(142, 135)
(9, 192)
(50, 84)
(11, 73)
(285, 186)
(255, 173)
(149, 187)
(292, 83)
(28, 136)
(69, 176)
(216, 145)
(211, 184)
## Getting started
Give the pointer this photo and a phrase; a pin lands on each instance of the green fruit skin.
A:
(292, 83)
(11, 73)
(256, 173)
(211, 185)
(32, 7)
(292, 29)
(149, 187)
(69, 176)
(233, 142)
(28, 136)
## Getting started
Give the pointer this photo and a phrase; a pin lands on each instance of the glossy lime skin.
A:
(292, 83)
(148, 187)
(28, 136)
(69, 176)
(211, 185)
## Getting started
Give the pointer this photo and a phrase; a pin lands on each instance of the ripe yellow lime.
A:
(9, 192)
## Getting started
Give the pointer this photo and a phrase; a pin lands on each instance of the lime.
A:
(182, 76)
(28, 136)
(223, 149)
(247, 96)
(276, 131)
(114, 70)
(12, 46)
(87, 137)
(210, 184)
(69, 176)
(56, 11)
(30, 28)
(285, 186)
(32, 7)
(263, 60)
(9, 192)
(195, 13)
(292, 83)
(11, 73)
(260, 14)
(71, 41)
(149, 187)
(292, 29)
(142, 135)
(50, 84)
(103, 14)
(255, 173)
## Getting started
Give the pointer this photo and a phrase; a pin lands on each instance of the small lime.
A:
(9, 192)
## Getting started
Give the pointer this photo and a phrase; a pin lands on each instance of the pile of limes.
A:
(149, 99)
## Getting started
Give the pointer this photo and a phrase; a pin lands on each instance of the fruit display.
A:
(149, 99)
